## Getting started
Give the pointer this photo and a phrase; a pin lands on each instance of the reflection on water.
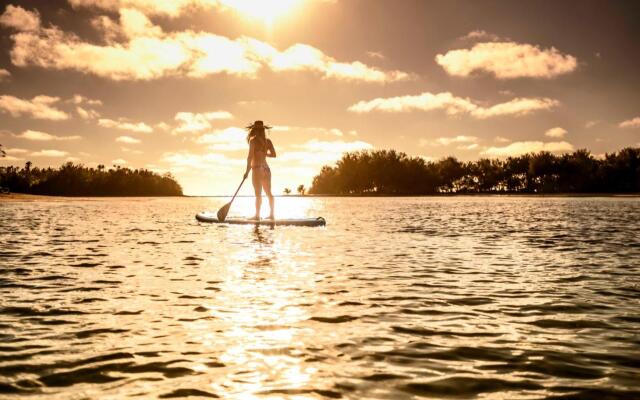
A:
(261, 332)
(396, 298)
(289, 207)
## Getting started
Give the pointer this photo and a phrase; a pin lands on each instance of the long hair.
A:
(257, 132)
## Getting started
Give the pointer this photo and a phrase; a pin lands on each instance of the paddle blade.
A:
(223, 211)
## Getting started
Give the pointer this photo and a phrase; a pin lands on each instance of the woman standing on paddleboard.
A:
(259, 149)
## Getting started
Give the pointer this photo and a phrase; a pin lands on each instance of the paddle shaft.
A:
(238, 189)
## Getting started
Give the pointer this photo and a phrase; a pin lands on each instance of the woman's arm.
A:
(249, 157)
(271, 151)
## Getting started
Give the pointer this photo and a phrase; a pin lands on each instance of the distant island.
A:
(77, 180)
(388, 172)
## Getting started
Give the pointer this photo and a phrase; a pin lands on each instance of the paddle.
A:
(222, 212)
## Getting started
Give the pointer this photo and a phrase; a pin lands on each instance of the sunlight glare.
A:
(266, 11)
(286, 207)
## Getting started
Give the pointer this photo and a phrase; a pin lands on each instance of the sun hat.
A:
(258, 124)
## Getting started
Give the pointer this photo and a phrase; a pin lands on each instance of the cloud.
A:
(122, 124)
(149, 53)
(108, 28)
(313, 130)
(591, 124)
(43, 136)
(15, 151)
(20, 19)
(516, 107)
(176, 8)
(507, 60)
(556, 132)
(171, 8)
(80, 99)
(10, 158)
(87, 113)
(49, 153)
(228, 147)
(118, 161)
(196, 122)
(11, 151)
(308, 158)
(4, 75)
(200, 161)
(356, 71)
(39, 107)
(300, 57)
(519, 148)
(127, 139)
(481, 35)
(319, 152)
(228, 139)
(445, 141)
(471, 146)
(136, 24)
(234, 139)
(337, 132)
(376, 54)
(500, 139)
(630, 123)
(454, 105)
(142, 58)
(163, 126)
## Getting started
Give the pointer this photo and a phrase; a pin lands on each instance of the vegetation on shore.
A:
(387, 172)
(77, 180)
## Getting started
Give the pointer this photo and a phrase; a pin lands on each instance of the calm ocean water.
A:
(397, 298)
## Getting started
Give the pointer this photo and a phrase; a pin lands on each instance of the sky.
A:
(170, 85)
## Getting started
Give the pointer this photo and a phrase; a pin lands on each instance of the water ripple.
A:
(403, 298)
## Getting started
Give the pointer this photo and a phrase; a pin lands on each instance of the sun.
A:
(267, 11)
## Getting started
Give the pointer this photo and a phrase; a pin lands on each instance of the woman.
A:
(259, 149)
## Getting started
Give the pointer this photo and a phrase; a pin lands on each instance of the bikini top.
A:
(260, 147)
(260, 154)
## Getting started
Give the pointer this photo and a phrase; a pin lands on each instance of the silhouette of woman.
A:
(259, 149)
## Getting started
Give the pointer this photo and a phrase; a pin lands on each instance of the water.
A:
(397, 298)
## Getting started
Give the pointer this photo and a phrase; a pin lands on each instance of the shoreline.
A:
(15, 197)
(444, 195)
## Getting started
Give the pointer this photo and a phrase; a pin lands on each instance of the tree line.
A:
(388, 172)
(77, 180)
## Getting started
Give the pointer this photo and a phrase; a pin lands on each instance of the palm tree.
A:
(2, 152)
(287, 191)
(301, 190)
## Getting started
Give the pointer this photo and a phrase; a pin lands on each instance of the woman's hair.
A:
(257, 132)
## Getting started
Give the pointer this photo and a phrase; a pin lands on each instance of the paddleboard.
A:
(211, 217)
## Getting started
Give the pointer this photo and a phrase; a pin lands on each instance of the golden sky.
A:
(169, 85)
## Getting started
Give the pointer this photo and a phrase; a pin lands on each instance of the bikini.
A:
(265, 168)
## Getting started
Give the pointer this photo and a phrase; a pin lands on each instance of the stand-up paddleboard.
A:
(211, 217)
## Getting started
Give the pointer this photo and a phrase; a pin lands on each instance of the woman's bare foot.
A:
(271, 217)
(255, 218)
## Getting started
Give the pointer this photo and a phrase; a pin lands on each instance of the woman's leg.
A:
(256, 179)
(266, 185)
